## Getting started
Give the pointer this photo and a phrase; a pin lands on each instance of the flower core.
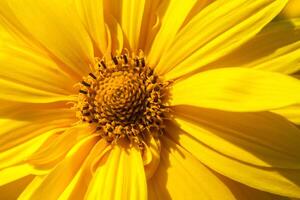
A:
(124, 98)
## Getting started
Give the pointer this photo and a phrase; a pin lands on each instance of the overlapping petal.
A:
(237, 89)
(168, 11)
(275, 48)
(125, 164)
(292, 113)
(54, 28)
(62, 175)
(181, 176)
(217, 30)
(257, 149)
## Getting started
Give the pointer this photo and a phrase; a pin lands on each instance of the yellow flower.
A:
(148, 99)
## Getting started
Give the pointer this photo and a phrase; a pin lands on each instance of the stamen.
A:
(85, 84)
(125, 59)
(83, 92)
(103, 64)
(93, 76)
(115, 60)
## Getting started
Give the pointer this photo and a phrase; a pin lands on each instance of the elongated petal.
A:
(92, 14)
(119, 176)
(243, 192)
(55, 151)
(220, 28)
(237, 89)
(131, 21)
(29, 76)
(172, 15)
(151, 157)
(16, 172)
(31, 187)
(292, 113)
(181, 176)
(64, 172)
(79, 184)
(14, 189)
(52, 26)
(20, 153)
(256, 149)
(24, 123)
(275, 48)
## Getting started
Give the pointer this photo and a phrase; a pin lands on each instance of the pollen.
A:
(124, 98)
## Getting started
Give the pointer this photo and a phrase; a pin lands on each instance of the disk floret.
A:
(124, 98)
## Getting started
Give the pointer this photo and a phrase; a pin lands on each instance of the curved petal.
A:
(119, 176)
(79, 184)
(217, 30)
(292, 9)
(237, 89)
(14, 189)
(256, 149)
(151, 157)
(275, 48)
(172, 15)
(16, 172)
(181, 176)
(63, 173)
(132, 13)
(243, 192)
(26, 121)
(55, 150)
(52, 26)
(92, 14)
(291, 113)
(29, 76)
(20, 153)
(273, 142)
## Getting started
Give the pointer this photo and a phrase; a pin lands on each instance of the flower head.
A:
(148, 99)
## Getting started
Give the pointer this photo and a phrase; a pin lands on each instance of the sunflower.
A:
(157, 99)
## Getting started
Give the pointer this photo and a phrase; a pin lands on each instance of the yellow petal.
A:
(64, 172)
(243, 192)
(32, 66)
(54, 27)
(181, 176)
(236, 89)
(31, 187)
(214, 32)
(78, 186)
(20, 124)
(20, 153)
(292, 113)
(151, 157)
(242, 141)
(150, 23)
(16, 172)
(14, 189)
(56, 150)
(275, 48)
(172, 15)
(92, 14)
(115, 36)
(292, 9)
(268, 147)
(22, 93)
(132, 13)
(119, 176)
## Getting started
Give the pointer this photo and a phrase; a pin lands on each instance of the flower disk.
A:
(124, 98)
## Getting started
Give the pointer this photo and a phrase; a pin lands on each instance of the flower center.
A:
(124, 98)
